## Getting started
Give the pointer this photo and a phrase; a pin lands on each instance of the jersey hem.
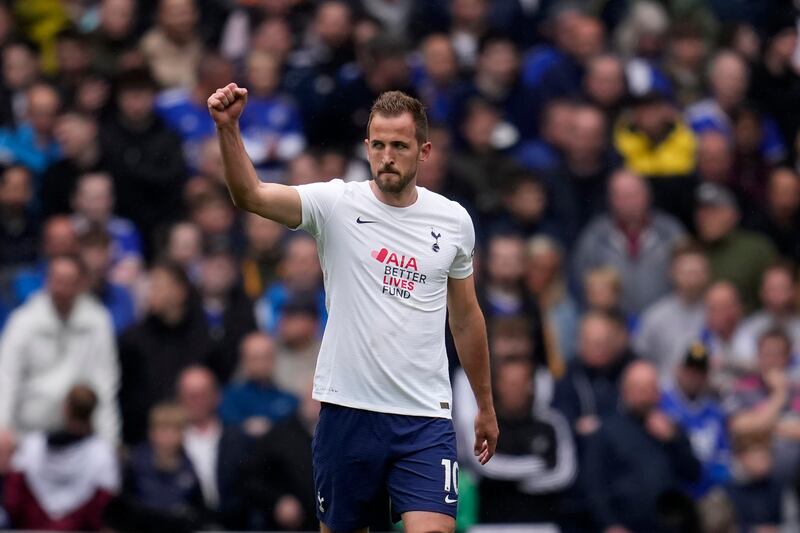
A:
(380, 409)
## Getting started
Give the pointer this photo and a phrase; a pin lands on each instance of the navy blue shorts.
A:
(358, 453)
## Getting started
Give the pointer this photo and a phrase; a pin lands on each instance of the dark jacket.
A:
(148, 170)
(155, 500)
(234, 451)
(152, 355)
(757, 503)
(585, 391)
(280, 466)
(227, 332)
(628, 472)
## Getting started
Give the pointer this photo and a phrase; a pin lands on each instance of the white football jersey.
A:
(385, 273)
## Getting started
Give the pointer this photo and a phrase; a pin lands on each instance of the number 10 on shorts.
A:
(450, 473)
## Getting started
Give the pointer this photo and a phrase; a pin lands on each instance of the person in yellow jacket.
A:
(653, 140)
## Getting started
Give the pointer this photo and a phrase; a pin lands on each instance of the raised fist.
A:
(227, 103)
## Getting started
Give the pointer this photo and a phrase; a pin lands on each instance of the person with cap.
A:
(736, 255)
(690, 404)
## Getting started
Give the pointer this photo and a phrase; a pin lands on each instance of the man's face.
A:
(43, 104)
(640, 392)
(690, 274)
(136, 103)
(506, 259)
(75, 134)
(514, 387)
(500, 62)
(64, 284)
(777, 291)
(393, 151)
(692, 381)
(94, 198)
(783, 193)
(177, 18)
(15, 188)
(774, 353)
(629, 198)
(723, 310)
(20, 67)
(715, 222)
(197, 394)
(596, 343)
(300, 267)
(258, 358)
(439, 58)
(605, 81)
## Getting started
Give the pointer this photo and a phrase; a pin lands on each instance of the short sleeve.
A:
(318, 201)
(462, 263)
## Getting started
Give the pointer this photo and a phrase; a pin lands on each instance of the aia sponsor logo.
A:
(400, 273)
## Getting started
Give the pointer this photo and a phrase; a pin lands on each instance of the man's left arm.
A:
(469, 332)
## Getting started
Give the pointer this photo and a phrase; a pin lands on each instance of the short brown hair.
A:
(81, 403)
(395, 103)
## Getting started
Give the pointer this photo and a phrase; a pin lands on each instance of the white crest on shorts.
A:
(320, 499)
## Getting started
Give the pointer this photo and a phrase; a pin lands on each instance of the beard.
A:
(393, 183)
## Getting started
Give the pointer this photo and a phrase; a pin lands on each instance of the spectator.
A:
(543, 154)
(589, 389)
(604, 84)
(778, 295)
(95, 251)
(436, 77)
(525, 209)
(19, 231)
(578, 186)
(497, 80)
(723, 317)
(343, 117)
(153, 352)
(271, 125)
(754, 492)
(300, 274)
(184, 246)
(184, 109)
(93, 205)
(216, 451)
(255, 404)
(715, 158)
(328, 46)
(545, 280)
(686, 54)
(691, 405)
(62, 480)
(469, 23)
(633, 238)
(279, 481)
(228, 312)
(58, 238)
(653, 140)
(735, 254)
(60, 337)
(779, 218)
(144, 156)
(768, 401)
(32, 143)
(671, 324)
(113, 39)
(81, 153)
(481, 170)
(20, 70)
(74, 56)
(729, 79)
(8, 444)
(173, 48)
(603, 290)
(535, 460)
(638, 458)
(161, 492)
(215, 216)
(262, 253)
(298, 348)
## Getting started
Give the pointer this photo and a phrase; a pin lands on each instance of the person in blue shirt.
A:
(272, 128)
(95, 251)
(32, 144)
(255, 403)
(185, 110)
(300, 274)
(690, 404)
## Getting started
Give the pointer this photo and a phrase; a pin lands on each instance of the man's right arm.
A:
(270, 200)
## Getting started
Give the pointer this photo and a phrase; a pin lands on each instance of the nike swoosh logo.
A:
(448, 500)
(358, 220)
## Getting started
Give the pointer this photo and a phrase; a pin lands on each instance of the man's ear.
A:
(425, 151)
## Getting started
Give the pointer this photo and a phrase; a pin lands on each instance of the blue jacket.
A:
(241, 401)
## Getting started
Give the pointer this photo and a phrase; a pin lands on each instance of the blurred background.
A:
(631, 167)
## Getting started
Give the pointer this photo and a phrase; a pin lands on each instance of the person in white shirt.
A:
(395, 258)
(60, 337)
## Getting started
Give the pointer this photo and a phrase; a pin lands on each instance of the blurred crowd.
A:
(631, 167)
